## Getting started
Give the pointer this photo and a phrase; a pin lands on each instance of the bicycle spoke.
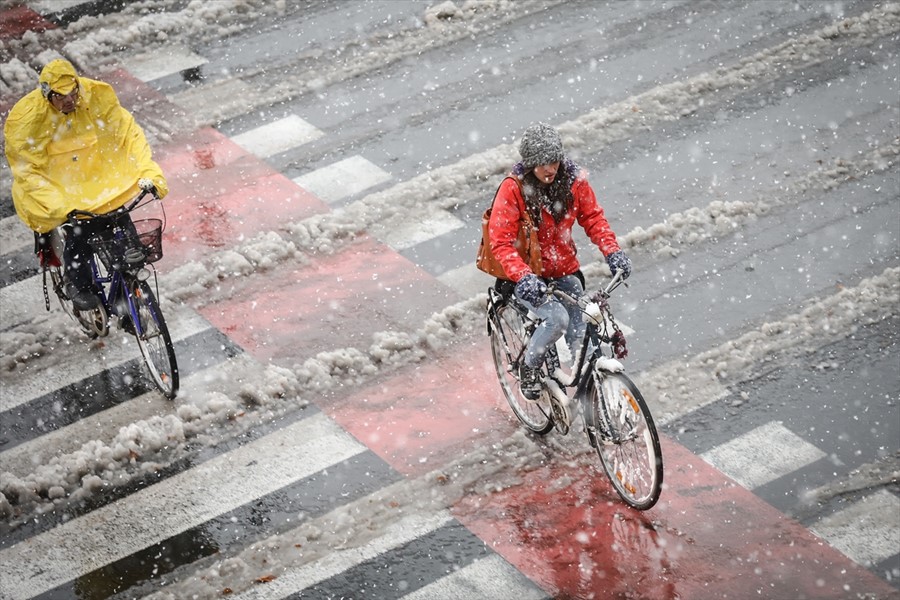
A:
(153, 339)
(629, 452)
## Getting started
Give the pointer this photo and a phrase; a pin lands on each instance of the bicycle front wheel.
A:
(508, 339)
(154, 340)
(627, 441)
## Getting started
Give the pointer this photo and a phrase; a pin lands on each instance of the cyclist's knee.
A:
(555, 317)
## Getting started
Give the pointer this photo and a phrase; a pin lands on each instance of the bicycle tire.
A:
(94, 323)
(630, 454)
(507, 325)
(154, 340)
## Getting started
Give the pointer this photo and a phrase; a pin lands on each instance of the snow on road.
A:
(206, 411)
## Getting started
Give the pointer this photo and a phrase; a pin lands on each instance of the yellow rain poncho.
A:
(90, 159)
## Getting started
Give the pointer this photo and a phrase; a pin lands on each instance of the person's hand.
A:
(147, 185)
(617, 261)
(531, 289)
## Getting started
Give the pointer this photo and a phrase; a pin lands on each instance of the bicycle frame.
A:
(590, 362)
(614, 414)
(120, 265)
(116, 293)
(113, 285)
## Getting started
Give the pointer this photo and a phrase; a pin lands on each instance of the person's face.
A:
(64, 103)
(546, 173)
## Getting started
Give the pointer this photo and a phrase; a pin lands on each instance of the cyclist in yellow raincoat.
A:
(71, 145)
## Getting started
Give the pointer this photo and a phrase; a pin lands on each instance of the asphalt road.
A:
(745, 152)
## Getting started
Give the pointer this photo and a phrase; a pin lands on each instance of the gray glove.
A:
(532, 290)
(617, 261)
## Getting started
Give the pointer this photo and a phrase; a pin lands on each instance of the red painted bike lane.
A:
(561, 524)
(564, 527)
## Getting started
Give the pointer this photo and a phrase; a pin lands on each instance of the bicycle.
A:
(613, 412)
(125, 249)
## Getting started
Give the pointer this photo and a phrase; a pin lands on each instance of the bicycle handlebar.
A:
(598, 296)
(78, 214)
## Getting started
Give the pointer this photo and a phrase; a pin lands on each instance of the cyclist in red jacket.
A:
(556, 194)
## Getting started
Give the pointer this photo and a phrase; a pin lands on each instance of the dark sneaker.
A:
(82, 299)
(126, 324)
(530, 382)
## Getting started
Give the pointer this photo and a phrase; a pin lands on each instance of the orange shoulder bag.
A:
(526, 242)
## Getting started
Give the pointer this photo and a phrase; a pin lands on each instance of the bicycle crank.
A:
(560, 415)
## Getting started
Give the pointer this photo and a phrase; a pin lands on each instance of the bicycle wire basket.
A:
(130, 248)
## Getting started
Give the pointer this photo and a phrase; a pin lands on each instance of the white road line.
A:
(762, 455)
(155, 65)
(21, 460)
(490, 577)
(229, 95)
(279, 136)
(467, 281)
(174, 505)
(342, 179)
(73, 362)
(296, 580)
(405, 235)
(14, 236)
(46, 7)
(867, 531)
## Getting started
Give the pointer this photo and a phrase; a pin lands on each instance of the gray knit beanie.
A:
(540, 145)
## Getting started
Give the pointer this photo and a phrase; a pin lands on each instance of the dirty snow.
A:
(218, 406)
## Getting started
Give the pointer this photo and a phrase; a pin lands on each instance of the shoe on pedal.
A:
(126, 324)
(82, 299)
(530, 382)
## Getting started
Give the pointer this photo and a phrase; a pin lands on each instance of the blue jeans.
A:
(557, 318)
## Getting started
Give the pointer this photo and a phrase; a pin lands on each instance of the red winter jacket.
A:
(558, 252)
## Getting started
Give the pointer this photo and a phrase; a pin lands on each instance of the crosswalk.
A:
(866, 530)
(320, 493)
(763, 455)
(170, 507)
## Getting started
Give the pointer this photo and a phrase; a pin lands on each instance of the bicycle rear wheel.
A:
(508, 339)
(94, 322)
(627, 441)
(154, 340)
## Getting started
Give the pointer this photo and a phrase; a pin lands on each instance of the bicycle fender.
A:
(599, 366)
(610, 365)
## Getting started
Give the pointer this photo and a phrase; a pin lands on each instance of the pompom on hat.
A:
(540, 145)
(58, 76)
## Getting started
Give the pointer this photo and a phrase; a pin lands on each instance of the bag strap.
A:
(522, 206)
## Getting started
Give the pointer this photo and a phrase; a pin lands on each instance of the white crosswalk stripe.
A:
(405, 236)
(155, 65)
(278, 136)
(48, 6)
(119, 349)
(165, 509)
(762, 455)
(867, 531)
(338, 561)
(342, 179)
(15, 236)
(490, 577)
(20, 460)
